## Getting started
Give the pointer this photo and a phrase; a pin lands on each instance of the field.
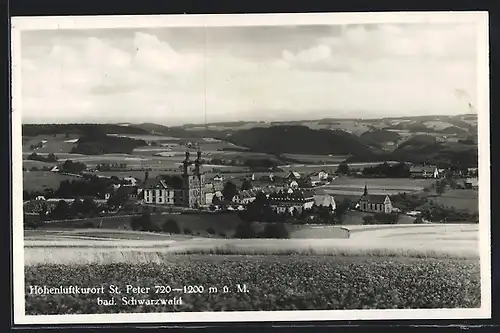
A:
(424, 266)
(355, 186)
(106, 245)
(459, 199)
(40, 180)
(316, 158)
(54, 144)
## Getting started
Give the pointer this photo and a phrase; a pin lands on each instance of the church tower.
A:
(365, 193)
(193, 192)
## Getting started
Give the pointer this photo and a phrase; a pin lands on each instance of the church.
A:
(188, 192)
(375, 203)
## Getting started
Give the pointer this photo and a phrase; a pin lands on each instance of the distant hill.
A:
(426, 149)
(296, 139)
(182, 132)
(80, 129)
(417, 141)
(380, 136)
(454, 130)
(99, 144)
(151, 127)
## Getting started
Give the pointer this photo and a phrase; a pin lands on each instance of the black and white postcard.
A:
(229, 168)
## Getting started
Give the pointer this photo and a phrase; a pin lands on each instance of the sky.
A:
(182, 75)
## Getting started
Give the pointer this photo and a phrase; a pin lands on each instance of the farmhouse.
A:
(218, 178)
(129, 193)
(319, 176)
(293, 176)
(373, 203)
(284, 201)
(131, 180)
(244, 197)
(471, 183)
(424, 171)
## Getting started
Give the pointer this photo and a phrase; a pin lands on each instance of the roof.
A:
(294, 174)
(374, 198)
(422, 168)
(156, 183)
(294, 196)
(127, 190)
(316, 173)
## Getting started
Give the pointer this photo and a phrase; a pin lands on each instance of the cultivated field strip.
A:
(430, 241)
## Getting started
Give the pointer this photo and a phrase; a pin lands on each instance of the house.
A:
(293, 175)
(271, 177)
(424, 171)
(318, 177)
(471, 183)
(218, 178)
(244, 197)
(55, 169)
(284, 201)
(325, 200)
(131, 180)
(129, 193)
(156, 191)
(294, 184)
(473, 171)
(375, 203)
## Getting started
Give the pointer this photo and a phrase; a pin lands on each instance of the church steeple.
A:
(366, 191)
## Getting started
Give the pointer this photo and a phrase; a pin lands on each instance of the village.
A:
(294, 196)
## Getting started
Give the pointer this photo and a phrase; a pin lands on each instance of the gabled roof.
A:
(374, 198)
(294, 174)
(156, 184)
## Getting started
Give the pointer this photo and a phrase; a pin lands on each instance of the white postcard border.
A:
(149, 21)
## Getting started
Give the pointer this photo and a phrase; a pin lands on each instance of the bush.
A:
(275, 230)
(170, 226)
(386, 218)
(222, 234)
(245, 230)
(211, 231)
(368, 219)
(144, 223)
(187, 231)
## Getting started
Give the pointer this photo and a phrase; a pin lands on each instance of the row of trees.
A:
(243, 230)
(63, 210)
(35, 157)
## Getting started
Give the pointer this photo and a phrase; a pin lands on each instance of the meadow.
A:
(355, 186)
(459, 199)
(40, 180)
(316, 158)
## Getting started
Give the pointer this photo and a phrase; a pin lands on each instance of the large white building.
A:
(191, 193)
(289, 201)
(156, 191)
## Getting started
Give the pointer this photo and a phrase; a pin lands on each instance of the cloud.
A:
(383, 69)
